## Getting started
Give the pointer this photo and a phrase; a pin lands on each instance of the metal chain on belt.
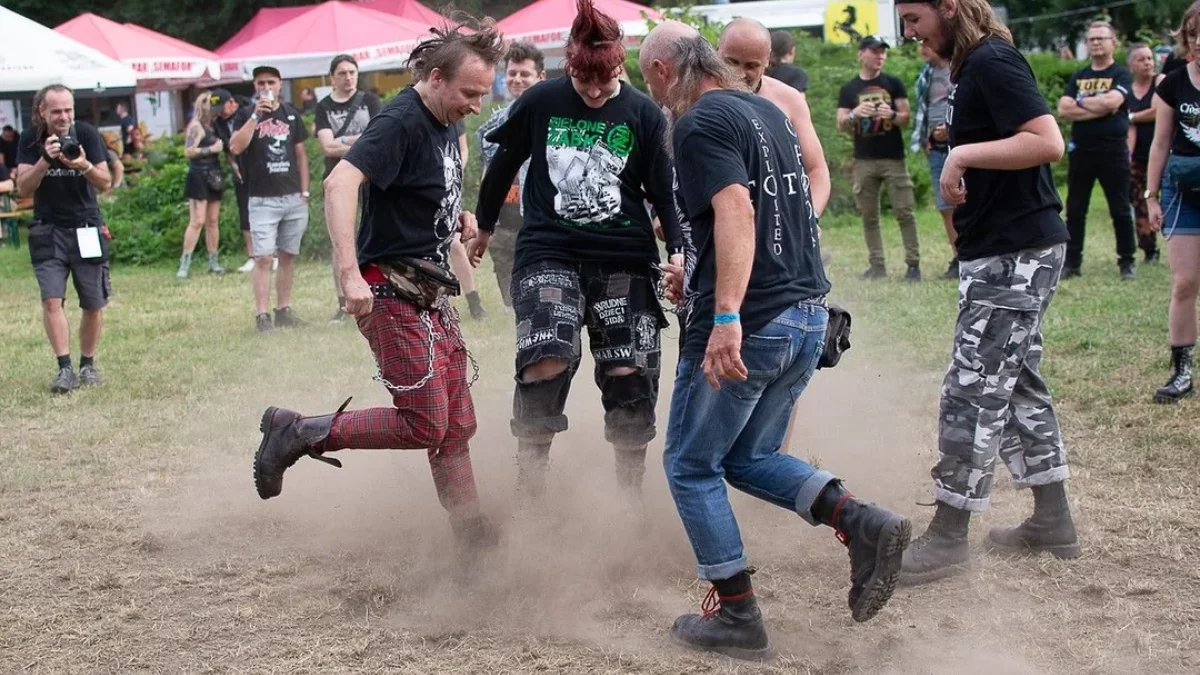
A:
(449, 318)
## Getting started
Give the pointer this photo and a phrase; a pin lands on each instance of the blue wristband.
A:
(720, 319)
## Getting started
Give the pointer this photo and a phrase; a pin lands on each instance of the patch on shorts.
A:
(551, 295)
(618, 286)
(647, 332)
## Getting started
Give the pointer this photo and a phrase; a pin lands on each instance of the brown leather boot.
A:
(288, 436)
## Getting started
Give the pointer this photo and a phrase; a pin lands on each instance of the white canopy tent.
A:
(33, 56)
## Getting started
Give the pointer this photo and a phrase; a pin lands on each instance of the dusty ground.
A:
(131, 539)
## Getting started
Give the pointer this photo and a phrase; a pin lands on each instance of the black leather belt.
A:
(386, 291)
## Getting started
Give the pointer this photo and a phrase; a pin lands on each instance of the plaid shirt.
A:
(488, 149)
(920, 132)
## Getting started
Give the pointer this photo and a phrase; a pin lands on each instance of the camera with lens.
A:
(70, 147)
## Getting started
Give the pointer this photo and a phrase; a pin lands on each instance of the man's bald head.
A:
(745, 44)
(678, 65)
(661, 43)
(746, 30)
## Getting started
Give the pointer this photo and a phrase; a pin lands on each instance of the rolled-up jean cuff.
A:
(722, 570)
(1056, 475)
(960, 502)
(809, 492)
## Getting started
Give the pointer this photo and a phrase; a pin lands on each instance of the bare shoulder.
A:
(782, 95)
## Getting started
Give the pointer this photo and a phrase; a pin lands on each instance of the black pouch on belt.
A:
(837, 337)
(421, 282)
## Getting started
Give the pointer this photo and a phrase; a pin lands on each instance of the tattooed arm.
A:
(191, 143)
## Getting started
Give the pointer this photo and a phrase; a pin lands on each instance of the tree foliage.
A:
(1051, 24)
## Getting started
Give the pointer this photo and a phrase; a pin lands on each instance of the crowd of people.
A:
(721, 161)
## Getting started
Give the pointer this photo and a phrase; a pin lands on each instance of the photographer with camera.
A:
(63, 164)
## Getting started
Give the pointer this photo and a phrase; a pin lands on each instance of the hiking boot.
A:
(913, 273)
(731, 623)
(533, 463)
(951, 270)
(875, 272)
(476, 306)
(875, 538)
(1180, 384)
(1050, 528)
(1152, 257)
(1071, 272)
(263, 323)
(185, 262)
(287, 436)
(214, 265)
(286, 318)
(941, 552)
(1128, 272)
(89, 376)
(65, 382)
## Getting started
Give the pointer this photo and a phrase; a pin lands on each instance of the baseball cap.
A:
(266, 69)
(872, 42)
(219, 97)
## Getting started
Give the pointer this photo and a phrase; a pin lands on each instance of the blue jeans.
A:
(736, 433)
(937, 160)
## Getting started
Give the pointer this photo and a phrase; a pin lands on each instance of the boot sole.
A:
(765, 654)
(264, 426)
(1060, 551)
(910, 579)
(1168, 400)
(879, 588)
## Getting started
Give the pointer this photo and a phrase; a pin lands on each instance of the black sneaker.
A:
(875, 272)
(286, 318)
(951, 270)
(913, 273)
(263, 323)
(1152, 257)
(1071, 272)
(89, 376)
(66, 381)
(1128, 272)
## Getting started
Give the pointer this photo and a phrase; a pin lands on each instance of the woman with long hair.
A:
(204, 186)
(1175, 168)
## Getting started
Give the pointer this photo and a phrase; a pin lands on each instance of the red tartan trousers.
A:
(438, 416)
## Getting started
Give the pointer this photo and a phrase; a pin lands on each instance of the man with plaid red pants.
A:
(398, 283)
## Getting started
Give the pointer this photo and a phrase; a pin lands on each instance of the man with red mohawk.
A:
(586, 255)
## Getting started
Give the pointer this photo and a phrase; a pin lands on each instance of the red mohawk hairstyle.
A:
(594, 49)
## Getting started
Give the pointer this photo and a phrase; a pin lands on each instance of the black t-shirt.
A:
(224, 129)
(875, 137)
(1178, 92)
(415, 171)
(65, 197)
(591, 172)
(127, 124)
(735, 138)
(351, 115)
(1172, 62)
(3, 173)
(270, 160)
(1145, 132)
(1109, 132)
(793, 76)
(8, 152)
(1005, 211)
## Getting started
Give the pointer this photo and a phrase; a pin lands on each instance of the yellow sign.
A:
(851, 20)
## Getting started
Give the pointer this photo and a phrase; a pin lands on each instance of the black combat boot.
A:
(941, 552)
(1050, 528)
(476, 306)
(731, 623)
(875, 538)
(287, 436)
(1180, 384)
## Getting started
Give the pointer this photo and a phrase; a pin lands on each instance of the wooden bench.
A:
(12, 210)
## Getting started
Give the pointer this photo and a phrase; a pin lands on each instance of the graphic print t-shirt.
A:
(1005, 211)
(270, 159)
(1178, 92)
(358, 111)
(875, 137)
(735, 138)
(66, 197)
(415, 171)
(590, 173)
(1109, 132)
(1144, 133)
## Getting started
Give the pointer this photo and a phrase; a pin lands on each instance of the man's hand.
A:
(468, 229)
(953, 191)
(672, 281)
(940, 133)
(53, 147)
(358, 297)
(1155, 212)
(216, 148)
(478, 247)
(884, 110)
(865, 110)
(79, 163)
(264, 107)
(723, 358)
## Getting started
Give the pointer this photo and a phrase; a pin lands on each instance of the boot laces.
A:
(838, 531)
(711, 604)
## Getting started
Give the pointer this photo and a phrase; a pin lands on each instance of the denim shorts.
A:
(277, 223)
(1181, 211)
(937, 159)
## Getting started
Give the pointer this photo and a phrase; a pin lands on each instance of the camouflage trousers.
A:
(994, 400)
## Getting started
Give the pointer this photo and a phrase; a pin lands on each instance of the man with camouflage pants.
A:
(1011, 245)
